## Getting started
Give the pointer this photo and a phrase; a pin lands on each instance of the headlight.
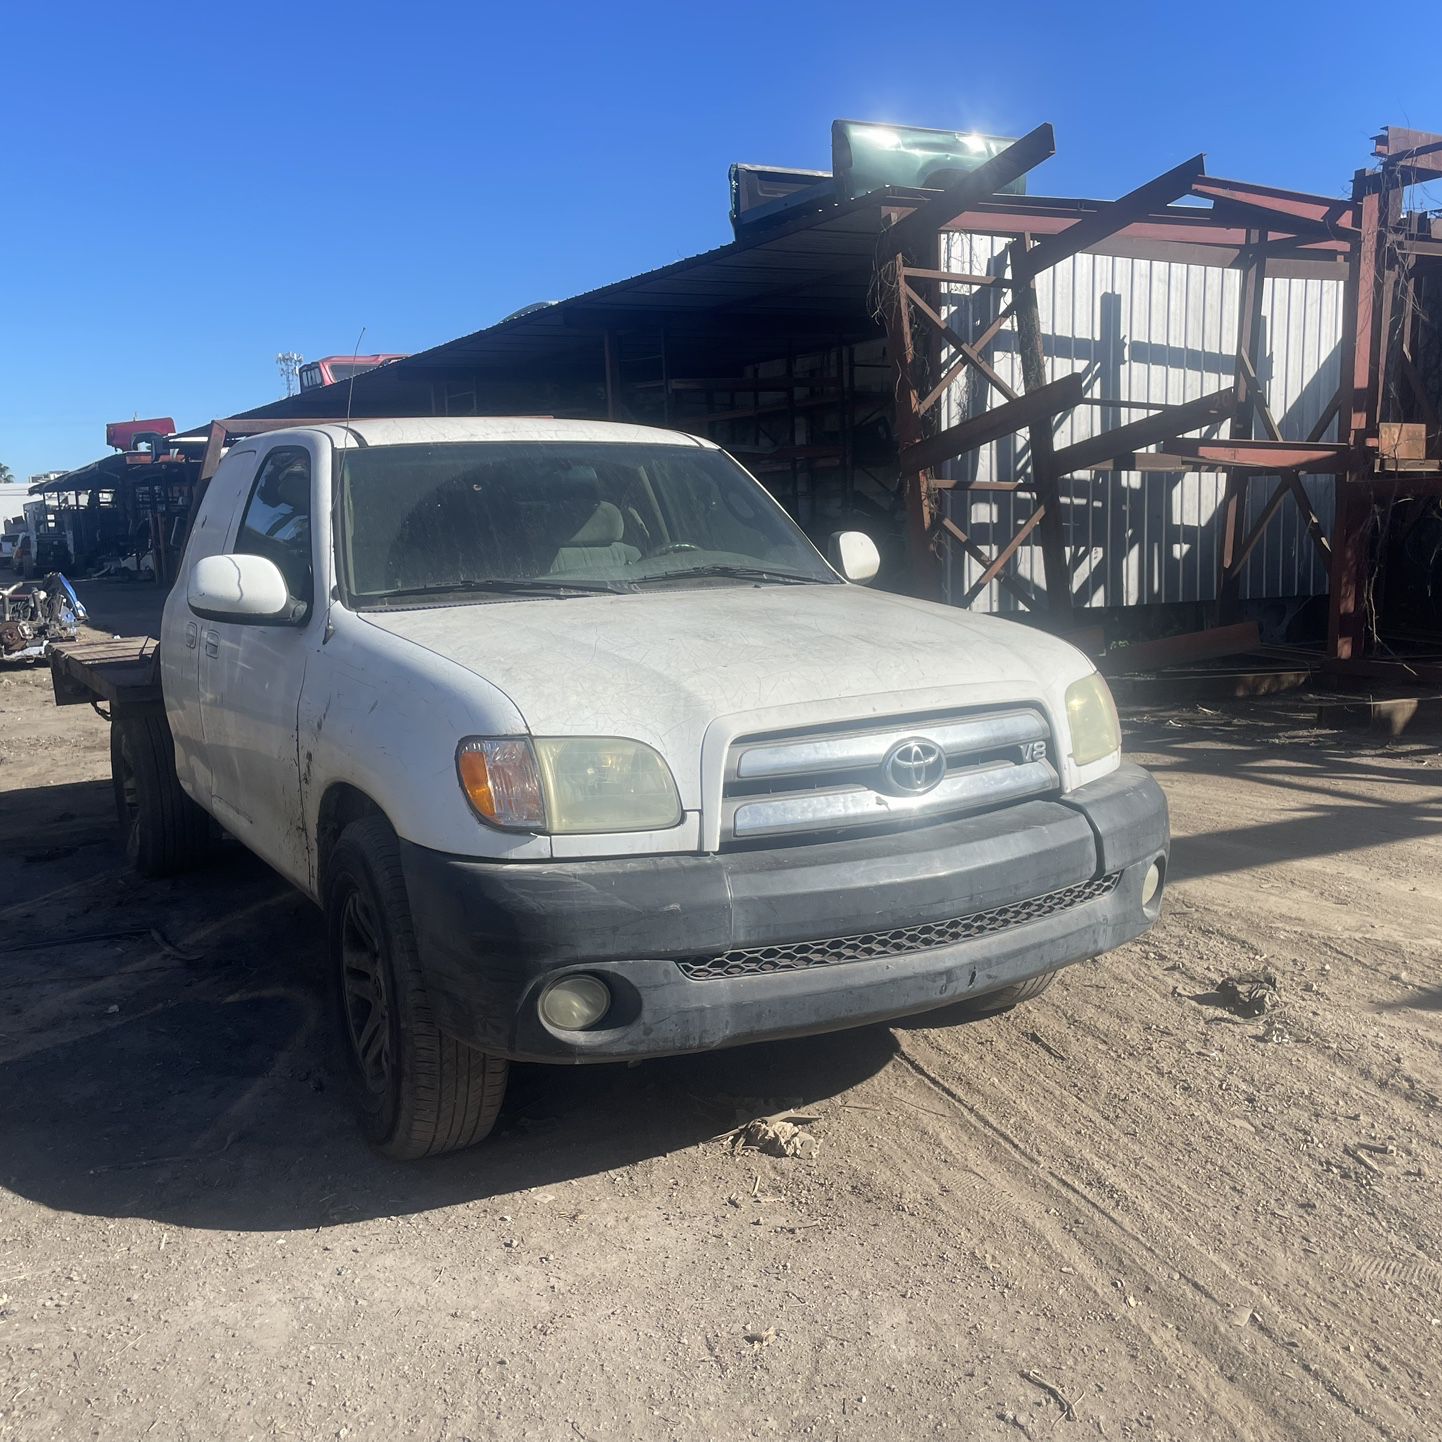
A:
(568, 784)
(1091, 717)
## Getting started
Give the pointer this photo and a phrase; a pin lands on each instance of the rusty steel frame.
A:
(1378, 335)
(1252, 228)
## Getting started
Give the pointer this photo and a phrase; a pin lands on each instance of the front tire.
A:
(419, 1091)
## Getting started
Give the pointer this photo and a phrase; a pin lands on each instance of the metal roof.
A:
(807, 279)
(799, 282)
(105, 474)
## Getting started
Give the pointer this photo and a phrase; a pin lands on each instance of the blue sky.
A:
(189, 189)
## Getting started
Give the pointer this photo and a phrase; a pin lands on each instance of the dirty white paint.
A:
(1155, 331)
(268, 719)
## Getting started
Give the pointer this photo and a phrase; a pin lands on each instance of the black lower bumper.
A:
(492, 935)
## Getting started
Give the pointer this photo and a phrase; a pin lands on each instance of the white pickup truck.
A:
(589, 755)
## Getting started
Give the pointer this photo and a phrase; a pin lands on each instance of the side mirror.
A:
(854, 554)
(246, 589)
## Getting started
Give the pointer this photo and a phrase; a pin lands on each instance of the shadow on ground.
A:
(165, 1047)
(1427, 998)
(166, 1051)
(1330, 780)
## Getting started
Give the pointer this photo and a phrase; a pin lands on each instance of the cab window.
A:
(276, 522)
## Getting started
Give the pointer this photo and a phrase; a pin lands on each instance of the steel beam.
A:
(1178, 650)
(1107, 220)
(914, 469)
(1415, 150)
(1369, 293)
(611, 364)
(1014, 584)
(919, 228)
(949, 279)
(1164, 425)
(1310, 518)
(1044, 474)
(705, 324)
(1002, 559)
(1267, 457)
(1232, 566)
(1280, 208)
(947, 377)
(1234, 499)
(1035, 406)
(1329, 414)
(957, 342)
(1188, 232)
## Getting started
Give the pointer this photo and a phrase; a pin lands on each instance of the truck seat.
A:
(597, 543)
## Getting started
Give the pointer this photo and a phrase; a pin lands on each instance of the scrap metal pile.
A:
(35, 614)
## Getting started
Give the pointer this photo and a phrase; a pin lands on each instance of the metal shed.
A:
(1205, 391)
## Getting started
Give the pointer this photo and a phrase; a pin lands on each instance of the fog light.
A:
(575, 1002)
(1151, 883)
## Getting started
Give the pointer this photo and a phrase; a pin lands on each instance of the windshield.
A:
(535, 518)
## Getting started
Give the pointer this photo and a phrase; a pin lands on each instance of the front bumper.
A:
(492, 935)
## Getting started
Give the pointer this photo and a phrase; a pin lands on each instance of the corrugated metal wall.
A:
(1155, 331)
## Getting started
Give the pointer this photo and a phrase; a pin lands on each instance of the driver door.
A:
(251, 675)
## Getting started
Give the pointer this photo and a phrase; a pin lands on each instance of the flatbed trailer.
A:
(120, 672)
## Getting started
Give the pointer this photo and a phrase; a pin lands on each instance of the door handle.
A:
(212, 643)
(191, 632)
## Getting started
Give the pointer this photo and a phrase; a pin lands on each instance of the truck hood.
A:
(662, 666)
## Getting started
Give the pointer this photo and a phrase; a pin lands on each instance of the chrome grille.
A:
(783, 785)
(898, 941)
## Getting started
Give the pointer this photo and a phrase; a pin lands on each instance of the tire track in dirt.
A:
(1296, 1171)
(1194, 1341)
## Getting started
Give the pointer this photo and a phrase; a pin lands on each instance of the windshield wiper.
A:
(505, 585)
(739, 573)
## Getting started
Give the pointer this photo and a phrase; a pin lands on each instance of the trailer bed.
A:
(123, 671)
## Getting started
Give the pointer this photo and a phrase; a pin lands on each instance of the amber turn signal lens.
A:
(502, 782)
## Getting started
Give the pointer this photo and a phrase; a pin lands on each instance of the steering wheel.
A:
(673, 547)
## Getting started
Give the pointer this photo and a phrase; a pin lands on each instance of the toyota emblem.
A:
(914, 765)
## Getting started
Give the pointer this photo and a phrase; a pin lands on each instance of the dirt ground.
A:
(1123, 1211)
